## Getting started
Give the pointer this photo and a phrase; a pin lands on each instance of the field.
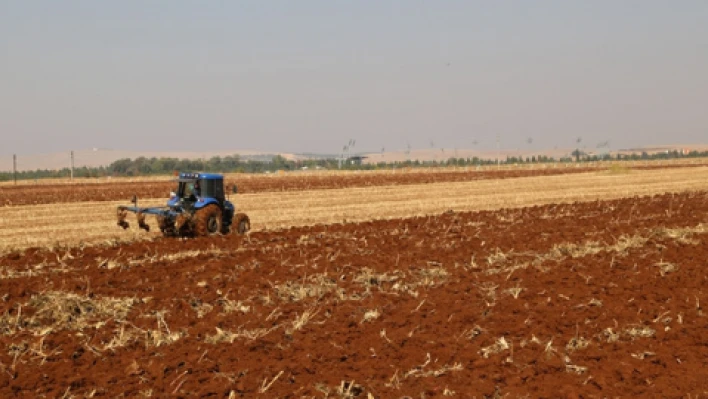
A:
(583, 284)
(153, 187)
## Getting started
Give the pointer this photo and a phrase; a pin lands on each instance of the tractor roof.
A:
(197, 175)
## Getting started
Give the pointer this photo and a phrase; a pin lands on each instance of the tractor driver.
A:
(194, 191)
(197, 190)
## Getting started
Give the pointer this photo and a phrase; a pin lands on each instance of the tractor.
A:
(198, 207)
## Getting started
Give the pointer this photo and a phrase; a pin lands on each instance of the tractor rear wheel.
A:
(207, 221)
(242, 223)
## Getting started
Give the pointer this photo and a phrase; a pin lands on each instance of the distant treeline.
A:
(234, 164)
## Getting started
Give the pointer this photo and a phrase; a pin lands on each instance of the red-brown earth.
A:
(589, 300)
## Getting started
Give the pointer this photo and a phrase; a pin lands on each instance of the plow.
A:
(198, 207)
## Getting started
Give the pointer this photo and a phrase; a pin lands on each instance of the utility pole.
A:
(72, 165)
(341, 157)
(498, 152)
(14, 167)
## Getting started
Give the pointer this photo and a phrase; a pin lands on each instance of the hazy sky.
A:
(310, 75)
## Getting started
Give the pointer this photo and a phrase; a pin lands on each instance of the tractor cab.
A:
(198, 189)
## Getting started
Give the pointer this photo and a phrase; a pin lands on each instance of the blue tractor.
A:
(199, 207)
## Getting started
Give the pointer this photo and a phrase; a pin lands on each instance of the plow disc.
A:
(242, 223)
(122, 215)
(183, 225)
(141, 222)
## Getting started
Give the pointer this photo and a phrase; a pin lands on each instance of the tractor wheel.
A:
(207, 221)
(242, 223)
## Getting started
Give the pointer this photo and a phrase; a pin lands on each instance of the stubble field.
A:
(582, 285)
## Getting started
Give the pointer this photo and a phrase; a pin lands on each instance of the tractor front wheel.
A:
(207, 221)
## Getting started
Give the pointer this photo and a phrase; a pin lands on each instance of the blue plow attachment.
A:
(161, 213)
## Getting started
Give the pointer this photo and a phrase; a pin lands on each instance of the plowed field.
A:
(595, 299)
(249, 183)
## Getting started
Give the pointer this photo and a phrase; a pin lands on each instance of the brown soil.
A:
(594, 299)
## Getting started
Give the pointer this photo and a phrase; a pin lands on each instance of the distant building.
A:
(356, 160)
